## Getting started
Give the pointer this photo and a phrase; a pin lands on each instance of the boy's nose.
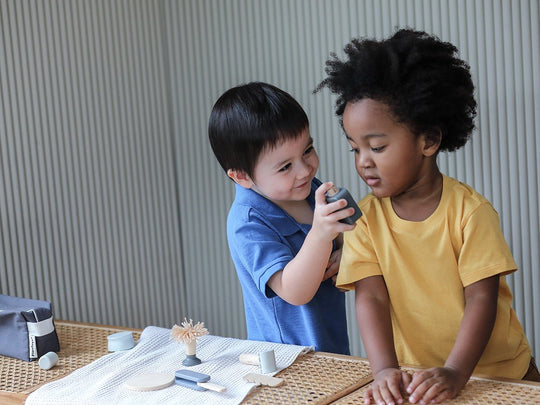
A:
(304, 170)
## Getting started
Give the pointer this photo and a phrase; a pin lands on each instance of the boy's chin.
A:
(307, 193)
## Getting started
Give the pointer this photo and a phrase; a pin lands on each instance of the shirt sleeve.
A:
(358, 259)
(485, 252)
(262, 252)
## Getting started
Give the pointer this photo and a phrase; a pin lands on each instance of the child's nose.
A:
(364, 160)
(304, 170)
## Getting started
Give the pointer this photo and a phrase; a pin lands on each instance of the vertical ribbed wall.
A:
(107, 177)
(88, 213)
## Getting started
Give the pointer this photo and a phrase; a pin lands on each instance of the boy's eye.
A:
(284, 168)
(377, 149)
(309, 150)
(354, 150)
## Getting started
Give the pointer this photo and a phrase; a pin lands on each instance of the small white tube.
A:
(268, 361)
(48, 360)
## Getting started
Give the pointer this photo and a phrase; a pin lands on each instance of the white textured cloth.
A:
(101, 382)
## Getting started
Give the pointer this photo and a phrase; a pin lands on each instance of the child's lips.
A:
(372, 181)
(303, 184)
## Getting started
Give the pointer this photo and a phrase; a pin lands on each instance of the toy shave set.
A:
(201, 382)
(187, 334)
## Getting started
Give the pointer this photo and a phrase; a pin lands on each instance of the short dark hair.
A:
(249, 118)
(419, 77)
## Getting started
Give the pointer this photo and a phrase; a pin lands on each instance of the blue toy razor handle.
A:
(189, 379)
(189, 384)
(196, 381)
(335, 194)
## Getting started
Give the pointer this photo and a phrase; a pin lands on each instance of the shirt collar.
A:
(280, 219)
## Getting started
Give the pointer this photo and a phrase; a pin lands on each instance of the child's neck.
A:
(421, 201)
(299, 210)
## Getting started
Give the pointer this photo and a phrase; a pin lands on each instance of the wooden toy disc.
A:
(149, 382)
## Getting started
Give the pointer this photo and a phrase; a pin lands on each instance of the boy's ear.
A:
(432, 142)
(241, 178)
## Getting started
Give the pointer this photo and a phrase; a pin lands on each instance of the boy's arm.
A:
(443, 383)
(373, 316)
(298, 282)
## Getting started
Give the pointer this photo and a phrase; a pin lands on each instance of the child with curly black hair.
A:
(428, 258)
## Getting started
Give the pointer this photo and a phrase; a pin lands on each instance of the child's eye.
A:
(354, 150)
(309, 150)
(284, 168)
(377, 149)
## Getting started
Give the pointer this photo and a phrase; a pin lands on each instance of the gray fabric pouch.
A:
(27, 329)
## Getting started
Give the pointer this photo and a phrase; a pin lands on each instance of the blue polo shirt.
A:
(263, 238)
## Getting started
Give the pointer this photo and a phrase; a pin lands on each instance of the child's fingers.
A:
(342, 212)
(388, 392)
(424, 391)
(417, 379)
(405, 379)
(431, 393)
(334, 210)
(441, 397)
(320, 198)
(439, 383)
(331, 271)
(368, 397)
(394, 386)
(384, 395)
(337, 211)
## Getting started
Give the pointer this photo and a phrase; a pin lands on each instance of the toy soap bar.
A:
(149, 382)
(196, 381)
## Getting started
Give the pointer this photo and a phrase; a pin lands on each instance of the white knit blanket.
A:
(101, 382)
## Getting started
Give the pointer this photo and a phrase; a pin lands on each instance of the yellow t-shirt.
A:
(426, 265)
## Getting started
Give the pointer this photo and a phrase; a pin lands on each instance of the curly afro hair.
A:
(419, 77)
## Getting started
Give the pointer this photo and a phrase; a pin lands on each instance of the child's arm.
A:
(373, 316)
(438, 384)
(298, 282)
(333, 263)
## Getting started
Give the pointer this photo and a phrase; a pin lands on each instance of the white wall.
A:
(110, 197)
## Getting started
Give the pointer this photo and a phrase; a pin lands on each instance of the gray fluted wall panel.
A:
(88, 215)
(108, 182)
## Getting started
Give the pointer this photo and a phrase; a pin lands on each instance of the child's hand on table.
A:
(435, 385)
(387, 387)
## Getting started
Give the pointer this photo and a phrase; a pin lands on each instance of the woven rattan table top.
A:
(478, 391)
(314, 378)
(80, 344)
